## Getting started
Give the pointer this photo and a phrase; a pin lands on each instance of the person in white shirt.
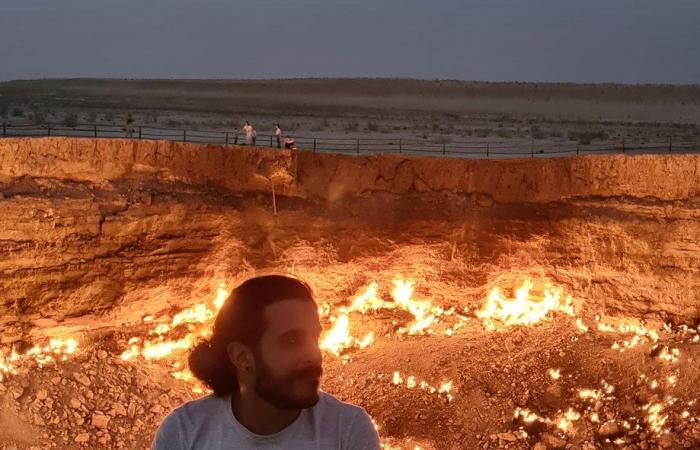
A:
(263, 363)
(278, 135)
(248, 130)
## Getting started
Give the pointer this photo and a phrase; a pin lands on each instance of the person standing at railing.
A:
(278, 135)
(235, 135)
(249, 132)
(129, 128)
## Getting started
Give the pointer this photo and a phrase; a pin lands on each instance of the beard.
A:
(296, 390)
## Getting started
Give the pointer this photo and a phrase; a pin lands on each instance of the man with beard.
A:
(263, 363)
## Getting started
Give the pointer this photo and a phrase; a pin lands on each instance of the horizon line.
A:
(427, 80)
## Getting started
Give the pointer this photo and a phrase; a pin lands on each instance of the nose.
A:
(313, 355)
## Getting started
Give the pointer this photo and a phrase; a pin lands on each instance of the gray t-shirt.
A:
(208, 423)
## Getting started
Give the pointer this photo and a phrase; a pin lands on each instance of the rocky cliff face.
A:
(91, 225)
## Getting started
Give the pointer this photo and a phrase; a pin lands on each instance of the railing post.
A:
(532, 148)
(577, 150)
(270, 140)
(184, 135)
(227, 138)
(139, 133)
(314, 145)
(400, 146)
(487, 149)
(443, 149)
(358, 146)
(48, 129)
(95, 129)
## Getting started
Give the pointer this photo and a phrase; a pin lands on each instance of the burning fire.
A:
(194, 320)
(525, 308)
(338, 338)
(56, 350)
(423, 312)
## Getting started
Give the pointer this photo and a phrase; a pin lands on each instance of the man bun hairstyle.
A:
(241, 319)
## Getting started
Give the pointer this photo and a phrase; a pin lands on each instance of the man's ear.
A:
(240, 356)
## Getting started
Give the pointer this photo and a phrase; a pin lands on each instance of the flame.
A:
(580, 326)
(589, 394)
(528, 416)
(669, 354)
(187, 376)
(221, 296)
(56, 349)
(564, 422)
(367, 340)
(338, 338)
(7, 364)
(369, 300)
(656, 417)
(523, 309)
(639, 331)
(194, 320)
(444, 389)
(423, 312)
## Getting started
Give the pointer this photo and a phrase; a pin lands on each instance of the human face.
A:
(288, 361)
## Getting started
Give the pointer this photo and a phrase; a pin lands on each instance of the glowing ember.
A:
(564, 422)
(524, 309)
(411, 382)
(656, 417)
(669, 354)
(555, 374)
(528, 416)
(589, 394)
(580, 326)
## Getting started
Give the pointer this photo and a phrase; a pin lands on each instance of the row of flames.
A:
(498, 311)
(181, 332)
(194, 322)
(171, 336)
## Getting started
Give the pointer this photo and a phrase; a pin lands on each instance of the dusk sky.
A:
(626, 41)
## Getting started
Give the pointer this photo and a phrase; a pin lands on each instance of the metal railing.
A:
(360, 146)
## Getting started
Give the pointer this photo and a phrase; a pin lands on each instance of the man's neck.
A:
(259, 416)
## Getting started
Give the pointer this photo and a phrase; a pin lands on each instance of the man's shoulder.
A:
(357, 431)
(197, 409)
(184, 421)
(329, 405)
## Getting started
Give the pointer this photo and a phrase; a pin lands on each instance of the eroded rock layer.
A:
(86, 225)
